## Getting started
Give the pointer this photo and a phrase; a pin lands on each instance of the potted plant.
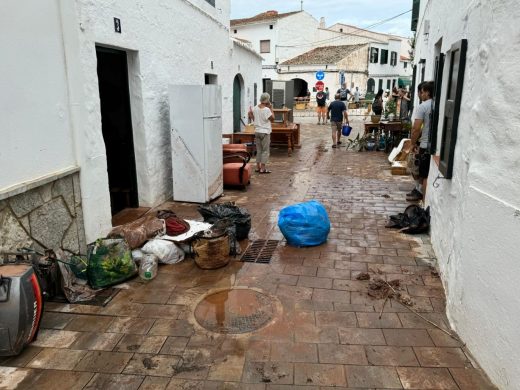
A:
(391, 109)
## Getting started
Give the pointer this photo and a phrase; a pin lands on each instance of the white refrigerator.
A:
(196, 139)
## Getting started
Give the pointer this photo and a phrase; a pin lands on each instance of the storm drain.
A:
(235, 311)
(260, 251)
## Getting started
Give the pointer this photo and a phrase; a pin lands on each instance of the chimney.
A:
(322, 22)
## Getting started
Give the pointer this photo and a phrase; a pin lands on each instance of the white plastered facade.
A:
(56, 119)
(476, 215)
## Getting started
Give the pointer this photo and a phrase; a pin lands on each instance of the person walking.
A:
(327, 94)
(356, 97)
(262, 115)
(419, 140)
(337, 113)
(321, 108)
(343, 92)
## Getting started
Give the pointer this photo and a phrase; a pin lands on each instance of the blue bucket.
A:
(345, 130)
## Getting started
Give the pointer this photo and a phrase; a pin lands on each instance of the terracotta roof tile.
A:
(323, 55)
(264, 16)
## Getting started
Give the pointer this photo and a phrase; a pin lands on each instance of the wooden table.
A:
(395, 133)
(281, 135)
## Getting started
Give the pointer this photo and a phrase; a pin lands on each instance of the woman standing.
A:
(263, 116)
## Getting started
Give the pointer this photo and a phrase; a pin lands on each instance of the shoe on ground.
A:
(416, 196)
(318, 123)
(334, 146)
(339, 142)
(412, 192)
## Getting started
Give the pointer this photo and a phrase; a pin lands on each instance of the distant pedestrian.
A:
(377, 104)
(356, 97)
(321, 109)
(327, 93)
(337, 113)
(343, 92)
(263, 116)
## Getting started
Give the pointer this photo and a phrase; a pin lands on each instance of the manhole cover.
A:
(260, 251)
(235, 311)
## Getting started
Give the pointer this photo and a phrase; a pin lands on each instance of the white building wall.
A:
(249, 66)
(51, 116)
(35, 125)
(476, 215)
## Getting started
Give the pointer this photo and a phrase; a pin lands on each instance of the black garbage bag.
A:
(241, 218)
(413, 220)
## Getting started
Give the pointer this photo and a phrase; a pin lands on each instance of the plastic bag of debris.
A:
(304, 224)
(136, 233)
(228, 210)
(109, 262)
(74, 289)
(166, 251)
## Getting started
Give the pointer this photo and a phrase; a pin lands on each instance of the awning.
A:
(404, 82)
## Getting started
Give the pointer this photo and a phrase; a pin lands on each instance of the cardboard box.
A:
(399, 168)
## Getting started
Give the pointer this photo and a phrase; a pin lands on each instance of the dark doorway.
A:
(116, 122)
(237, 104)
(371, 85)
(300, 88)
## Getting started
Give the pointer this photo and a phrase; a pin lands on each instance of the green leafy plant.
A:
(359, 143)
(391, 107)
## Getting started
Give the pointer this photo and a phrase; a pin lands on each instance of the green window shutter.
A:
(415, 14)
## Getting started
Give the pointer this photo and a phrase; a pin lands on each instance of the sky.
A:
(360, 13)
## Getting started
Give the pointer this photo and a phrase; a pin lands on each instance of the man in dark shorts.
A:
(337, 113)
(321, 109)
(420, 135)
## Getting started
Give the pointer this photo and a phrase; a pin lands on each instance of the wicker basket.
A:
(211, 252)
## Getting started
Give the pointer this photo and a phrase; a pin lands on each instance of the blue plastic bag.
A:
(304, 224)
(345, 130)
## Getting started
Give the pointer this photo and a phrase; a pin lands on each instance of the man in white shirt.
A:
(263, 116)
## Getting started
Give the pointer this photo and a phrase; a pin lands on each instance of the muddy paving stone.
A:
(471, 378)
(58, 359)
(441, 357)
(27, 354)
(358, 336)
(49, 380)
(408, 337)
(375, 377)
(228, 368)
(154, 383)
(154, 365)
(97, 341)
(104, 362)
(391, 356)
(339, 319)
(342, 354)
(140, 343)
(161, 311)
(268, 372)
(115, 382)
(427, 378)
(55, 338)
(294, 352)
(131, 325)
(164, 327)
(319, 374)
(89, 323)
(174, 345)
(51, 320)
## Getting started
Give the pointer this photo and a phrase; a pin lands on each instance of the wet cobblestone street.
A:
(324, 329)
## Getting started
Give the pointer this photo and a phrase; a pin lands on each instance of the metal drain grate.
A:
(260, 251)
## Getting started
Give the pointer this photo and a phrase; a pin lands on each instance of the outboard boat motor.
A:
(21, 307)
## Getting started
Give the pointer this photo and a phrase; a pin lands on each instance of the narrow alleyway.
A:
(323, 329)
